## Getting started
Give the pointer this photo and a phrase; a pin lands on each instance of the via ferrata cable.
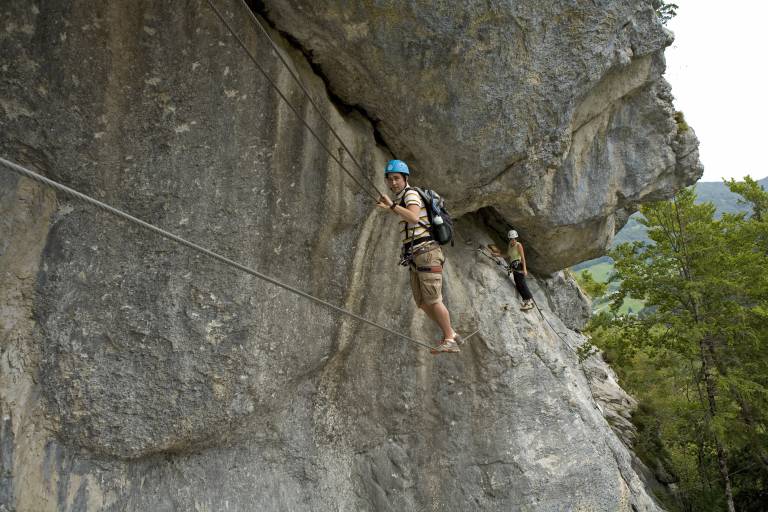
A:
(114, 211)
(298, 81)
(295, 111)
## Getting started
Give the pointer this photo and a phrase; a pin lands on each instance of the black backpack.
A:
(440, 221)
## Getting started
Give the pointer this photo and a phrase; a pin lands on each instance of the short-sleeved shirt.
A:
(410, 231)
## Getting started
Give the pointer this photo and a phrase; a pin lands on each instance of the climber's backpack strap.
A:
(440, 225)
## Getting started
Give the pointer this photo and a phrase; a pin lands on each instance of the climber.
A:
(420, 253)
(515, 256)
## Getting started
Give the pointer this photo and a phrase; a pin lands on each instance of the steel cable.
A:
(294, 110)
(296, 78)
(114, 211)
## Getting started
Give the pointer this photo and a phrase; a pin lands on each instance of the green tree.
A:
(587, 283)
(665, 10)
(704, 282)
(753, 195)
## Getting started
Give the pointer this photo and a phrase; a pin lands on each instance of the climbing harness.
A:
(114, 211)
(407, 252)
(306, 93)
(440, 226)
(434, 270)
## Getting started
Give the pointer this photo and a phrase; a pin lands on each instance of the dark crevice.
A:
(496, 224)
(259, 8)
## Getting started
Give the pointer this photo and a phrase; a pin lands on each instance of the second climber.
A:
(515, 256)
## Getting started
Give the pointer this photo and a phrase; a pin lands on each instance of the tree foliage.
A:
(665, 10)
(588, 284)
(697, 355)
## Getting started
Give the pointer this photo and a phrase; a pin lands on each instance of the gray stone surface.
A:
(566, 299)
(552, 111)
(616, 404)
(136, 375)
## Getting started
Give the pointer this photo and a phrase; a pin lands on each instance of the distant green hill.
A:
(715, 192)
(724, 200)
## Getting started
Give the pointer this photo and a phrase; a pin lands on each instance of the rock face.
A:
(553, 112)
(567, 300)
(138, 375)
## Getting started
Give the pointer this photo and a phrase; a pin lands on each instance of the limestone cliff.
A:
(137, 375)
(553, 112)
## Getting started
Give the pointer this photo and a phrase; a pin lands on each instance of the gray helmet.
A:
(512, 234)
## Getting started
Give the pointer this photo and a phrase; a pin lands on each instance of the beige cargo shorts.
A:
(427, 287)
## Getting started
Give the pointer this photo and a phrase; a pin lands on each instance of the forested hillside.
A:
(695, 353)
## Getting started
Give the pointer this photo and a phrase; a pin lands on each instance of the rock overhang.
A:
(554, 113)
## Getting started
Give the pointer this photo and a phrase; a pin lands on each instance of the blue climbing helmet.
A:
(396, 166)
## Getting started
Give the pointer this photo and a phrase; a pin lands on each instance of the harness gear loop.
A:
(407, 252)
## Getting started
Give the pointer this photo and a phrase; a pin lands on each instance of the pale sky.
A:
(718, 70)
